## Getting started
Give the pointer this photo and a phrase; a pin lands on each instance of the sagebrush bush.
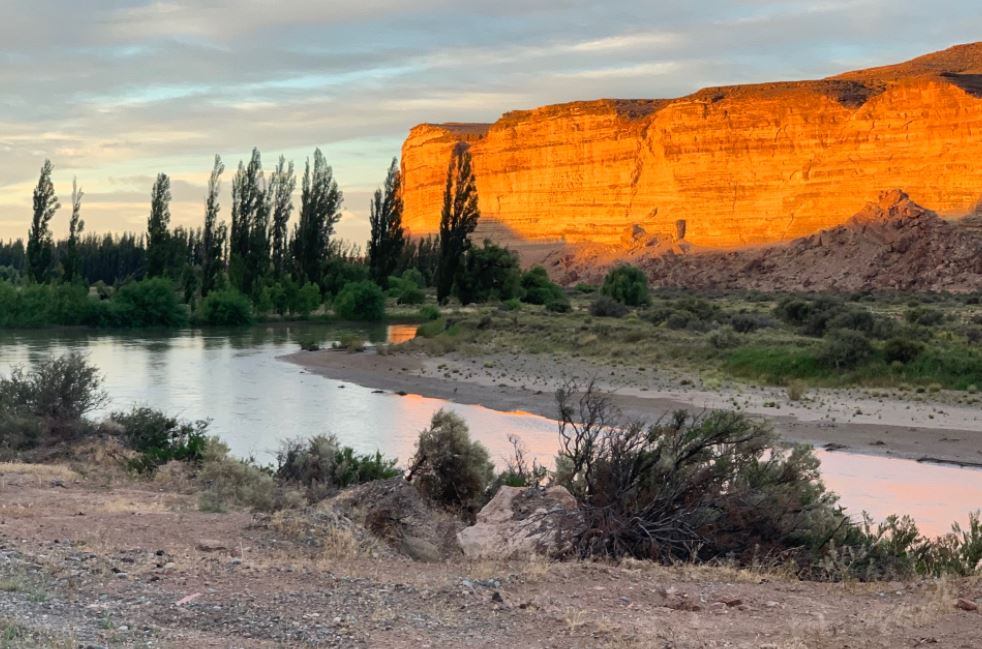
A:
(626, 284)
(48, 402)
(360, 301)
(230, 483)
(448, 467)
(607, 307)
(901, 350)
(321, 465)
(159, 438)
(845, 349)
(925, 316)
(724, 338)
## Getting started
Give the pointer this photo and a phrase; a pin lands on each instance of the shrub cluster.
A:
(321, 465)
(360, 301)
(227, 308)
(626, 284)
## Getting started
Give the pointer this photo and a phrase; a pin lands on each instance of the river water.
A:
(255, 401)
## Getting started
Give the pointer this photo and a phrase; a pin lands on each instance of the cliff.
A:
(740, 165)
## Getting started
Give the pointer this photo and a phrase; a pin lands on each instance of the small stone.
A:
(210, 545)
(966, 604)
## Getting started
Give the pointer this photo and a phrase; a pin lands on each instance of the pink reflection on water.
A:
(399, 333)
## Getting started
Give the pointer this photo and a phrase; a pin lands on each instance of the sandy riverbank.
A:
(909, 426)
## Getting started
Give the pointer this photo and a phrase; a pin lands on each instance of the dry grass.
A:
(38, 474)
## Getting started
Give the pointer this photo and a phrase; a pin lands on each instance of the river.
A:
(255, 401)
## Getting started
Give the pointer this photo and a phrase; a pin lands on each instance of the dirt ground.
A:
(880, 422)
(83, 564)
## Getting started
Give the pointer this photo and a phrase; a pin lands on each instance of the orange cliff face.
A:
(741, 165)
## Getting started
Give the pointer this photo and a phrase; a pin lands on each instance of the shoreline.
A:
(836, 420)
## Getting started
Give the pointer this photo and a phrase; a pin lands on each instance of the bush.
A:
(308, 298)
(812, 316)
(233, 483)
(360, 301)
(689, 486)
(448, 467)
(538, 288)
(724, 338)
(414, 277)
(429, 313)
(607, 307)
(226, 308)
(321, 465)
(901, 350)
(746, 323)
(845, 349)
(626, 284)
(488, 273)
(559, 305)
(159, 438)
(411, 295)
(148, 303)
(48, 402)
(925, 316)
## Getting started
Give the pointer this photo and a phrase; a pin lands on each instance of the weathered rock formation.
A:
(724, 167)
(891, 244)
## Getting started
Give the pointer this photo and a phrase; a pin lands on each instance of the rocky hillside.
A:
(739, 165)
(892, 243)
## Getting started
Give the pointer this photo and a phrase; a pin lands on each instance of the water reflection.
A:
(256, 401)
(400, 333)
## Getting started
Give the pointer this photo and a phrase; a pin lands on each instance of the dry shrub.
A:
(448, 467)
(232, 483)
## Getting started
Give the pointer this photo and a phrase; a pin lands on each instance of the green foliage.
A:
(159, 438)
(626, 284)
(157, 227)
(411, 295)
(360, 301)
(925, 316)
(320, 210)
(458, 218)
(413, 276)
(448, 467)
(488, 273)
(901, 350)
(321, 465)
(539, 289)
(232, 483)
(559, 305)
(845, 349)
(385, 217)
(226, 308)
(48, 402)
(148, 303)
(429, 313)
(607, 307)
(307, 299)
(40, 247)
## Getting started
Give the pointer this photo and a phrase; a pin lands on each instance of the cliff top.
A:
(960, 65)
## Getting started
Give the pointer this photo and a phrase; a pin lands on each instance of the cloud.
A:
(115, 91)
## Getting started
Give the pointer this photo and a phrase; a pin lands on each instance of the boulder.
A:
(522, 522)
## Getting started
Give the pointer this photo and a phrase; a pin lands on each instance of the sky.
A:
(114, 92)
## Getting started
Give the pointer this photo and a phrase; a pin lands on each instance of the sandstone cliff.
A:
(741, 165)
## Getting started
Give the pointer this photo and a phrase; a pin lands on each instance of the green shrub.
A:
(321, 465)
(232, 483)
(411, 295)
(607, 307)
(724, 338)
(448, 467)
(148, 303)
(514, 304)
(351, 343)
(538, 288)
(47, 403)
(626, 284)
(431, 328)
(845, 349)
(414, 277)
(746, 323)
(559, 305)
(159, 438)
(901, 350)
(925, 316)
(360, 301)
(488, 273)
(226, 308)
(585, 288)
(308, 298)
(429, 313)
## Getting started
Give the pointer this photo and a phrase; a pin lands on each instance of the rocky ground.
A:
(89, 563)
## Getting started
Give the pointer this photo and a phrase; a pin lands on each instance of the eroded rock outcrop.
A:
(522, 522)
(740, 166)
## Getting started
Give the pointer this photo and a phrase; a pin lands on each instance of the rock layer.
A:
(740, 165)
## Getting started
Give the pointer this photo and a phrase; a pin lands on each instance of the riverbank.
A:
(881, 422)
(85, 562)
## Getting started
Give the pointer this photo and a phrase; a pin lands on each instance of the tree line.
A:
(255, 253)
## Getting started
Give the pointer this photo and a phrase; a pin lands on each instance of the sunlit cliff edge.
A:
(739, 165)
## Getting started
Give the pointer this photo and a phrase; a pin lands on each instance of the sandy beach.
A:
(915, 426)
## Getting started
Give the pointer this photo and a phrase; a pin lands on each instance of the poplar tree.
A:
(158, 235)
(388, 238)
(215, 233)
(248, 210)
(458, 218)
(40, 245)
(320, 210)
(75, 227)
(281, 187)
